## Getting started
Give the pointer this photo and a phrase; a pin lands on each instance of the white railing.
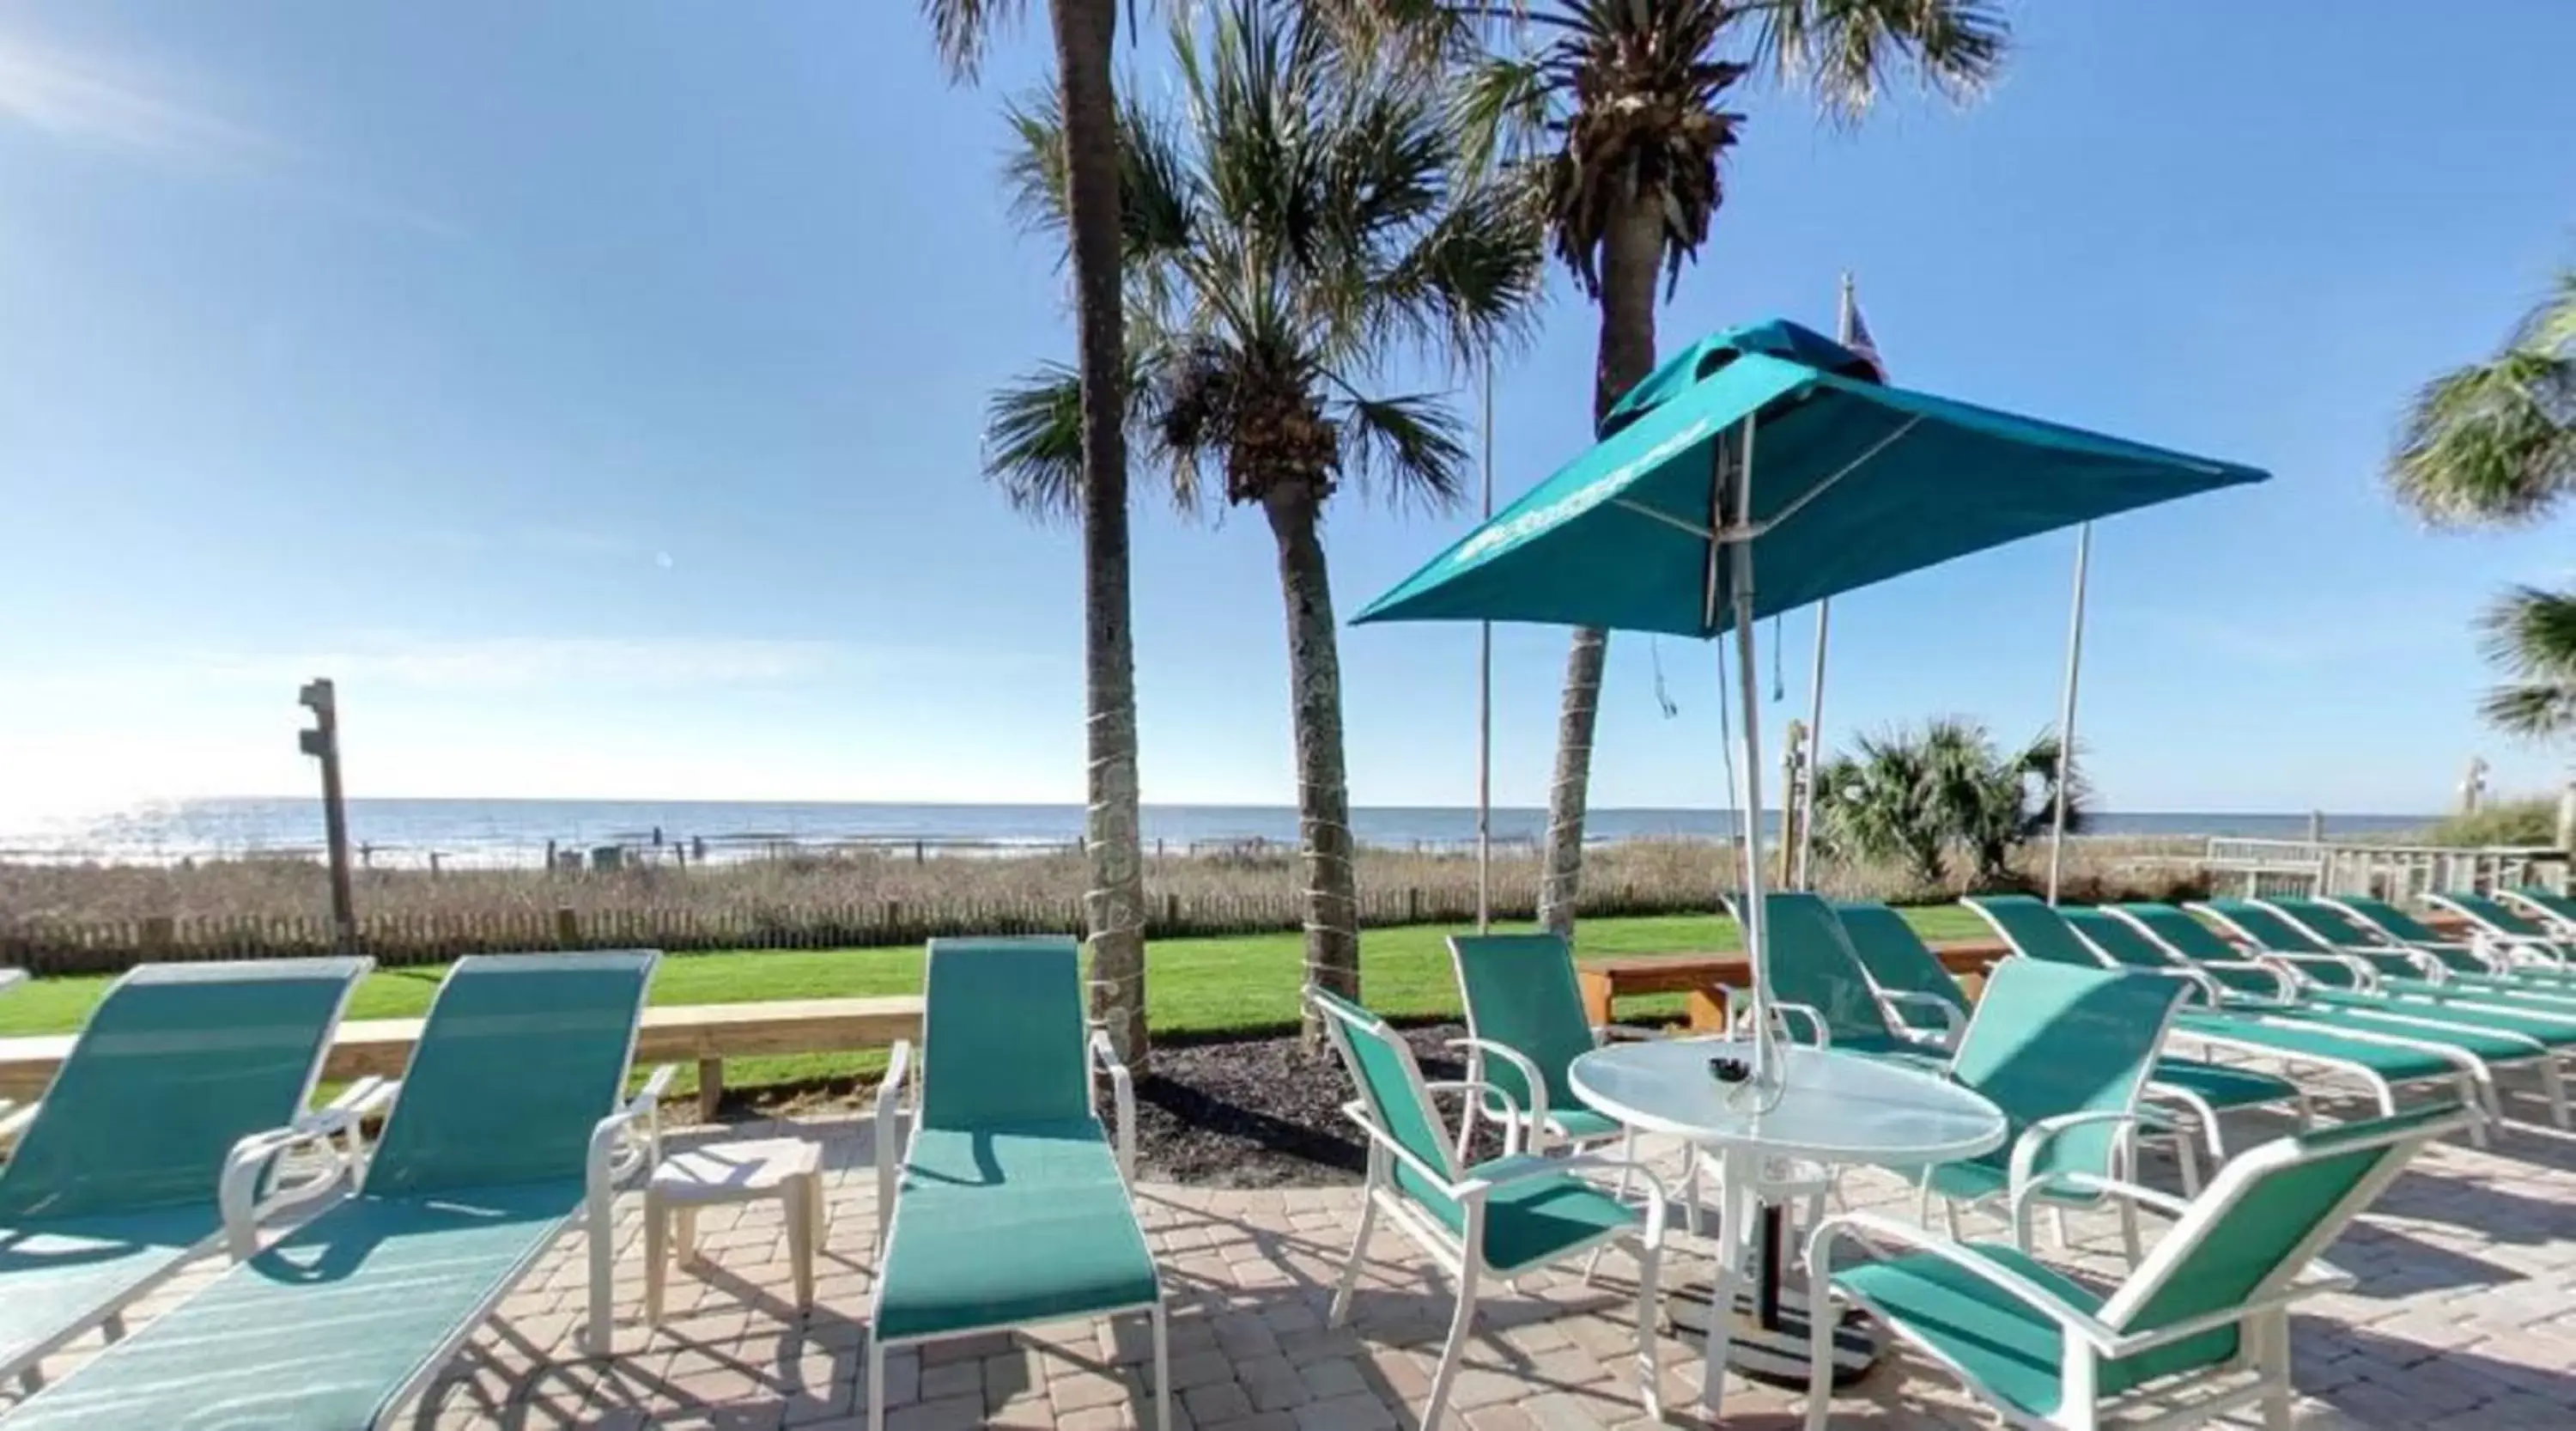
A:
(2396, 872)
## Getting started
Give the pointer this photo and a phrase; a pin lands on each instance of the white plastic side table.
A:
(788, 1169)
(1834, 1108)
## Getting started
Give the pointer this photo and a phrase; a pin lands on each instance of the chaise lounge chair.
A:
(2521, 942)
(1917, 987)
(2380, 1057)
(115, 1183)
(1817, 944)
(1007, 1207)
(2555, 912)
(1493, 1220)
(2205, 1316)
(510, 1126)
(2335, 924)
(2065, 1054)
(2487, 955)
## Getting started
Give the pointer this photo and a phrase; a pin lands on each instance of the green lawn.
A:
(1197, 986)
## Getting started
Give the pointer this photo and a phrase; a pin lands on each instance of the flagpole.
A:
(1805, 876)
(1485, 698)
(2066, 711)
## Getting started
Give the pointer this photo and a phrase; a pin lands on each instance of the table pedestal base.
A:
(1777, 1354)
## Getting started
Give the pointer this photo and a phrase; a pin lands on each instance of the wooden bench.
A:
(1701, 976)
(704, 1034)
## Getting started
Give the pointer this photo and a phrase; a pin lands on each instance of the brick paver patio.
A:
(2464, 1314)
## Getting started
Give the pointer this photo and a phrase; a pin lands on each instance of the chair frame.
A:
(2024, 1191)
(904, 1072)
(2552, 1064)
(1460, 1253)
(334, 1128)
(2493, 954)
(2091, 1339)
(2492, 943)
(2203, 1118)
(2532, 902)
(626, 1143)
(1537, 1134)
(2470, 1076)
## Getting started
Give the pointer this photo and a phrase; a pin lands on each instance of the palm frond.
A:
(2495, 441)
(1033, 170)
(1409, 451)
(2531, 710)
(1847, 52)
(1032, 447)
(2531, 632)
(1500, 110)
(1033, 443)
(964, 29)
(1296, 225)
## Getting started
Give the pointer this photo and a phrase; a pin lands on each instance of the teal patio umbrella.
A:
(1768, 448)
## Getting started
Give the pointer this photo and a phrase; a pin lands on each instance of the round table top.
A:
(1837, 1107)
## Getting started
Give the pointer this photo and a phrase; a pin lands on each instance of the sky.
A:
(594, 391)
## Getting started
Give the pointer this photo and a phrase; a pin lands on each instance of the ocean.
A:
(516, 832)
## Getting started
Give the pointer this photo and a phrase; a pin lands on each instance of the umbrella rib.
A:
(1668, 519)
(1756, 529)
(1745, 531)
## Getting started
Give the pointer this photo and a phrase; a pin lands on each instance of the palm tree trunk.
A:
(1323, 785)
(1114, 904)
(1629, 251)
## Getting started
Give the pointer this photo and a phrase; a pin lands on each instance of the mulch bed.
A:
(1255, 1113)
(1221, 1113)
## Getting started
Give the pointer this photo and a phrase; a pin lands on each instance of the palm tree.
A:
(1880, 803)
(1992, 801)
(1911, 796)
(1615, 110)
(2494, 444)
(1113, 840)
(1293, 225)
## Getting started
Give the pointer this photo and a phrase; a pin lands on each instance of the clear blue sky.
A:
(594, 389)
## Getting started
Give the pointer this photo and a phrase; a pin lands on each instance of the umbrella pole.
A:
(2066, 711)
(1748, 693)
(1806, 878)
(1485, 701)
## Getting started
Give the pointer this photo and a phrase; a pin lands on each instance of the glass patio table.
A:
(1835, 1109)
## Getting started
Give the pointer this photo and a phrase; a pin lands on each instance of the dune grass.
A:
(1198, 987)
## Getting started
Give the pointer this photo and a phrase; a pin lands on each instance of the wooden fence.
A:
(76, 946)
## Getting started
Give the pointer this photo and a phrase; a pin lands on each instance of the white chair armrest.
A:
(615, 1153)
(1357, 1110)
(888, 1131)
(2023, 1185)
(1739, 1018)
(1512, 1119)
(2163, 1202)
(2284, 987)
(1479, 1049)
(1953, 1020)
(1122, 1095)
(1862, 1226)
(14, 1118)
(2302, 968)
(247, 1166)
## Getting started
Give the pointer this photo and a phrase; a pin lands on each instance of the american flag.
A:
(1855, 335)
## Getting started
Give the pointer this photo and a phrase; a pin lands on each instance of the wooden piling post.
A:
(322, 742)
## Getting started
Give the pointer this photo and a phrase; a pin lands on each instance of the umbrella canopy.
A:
(1852, 482)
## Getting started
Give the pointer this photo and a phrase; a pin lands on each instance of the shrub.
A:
(2525, 820)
